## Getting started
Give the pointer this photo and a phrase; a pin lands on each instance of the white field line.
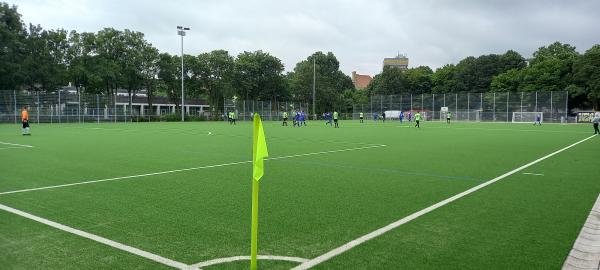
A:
(97, 238)
(536, 174)
(13, 147)
(185, 169)
(345, 247)
(509, 129)
(246, 258)
(14, 144)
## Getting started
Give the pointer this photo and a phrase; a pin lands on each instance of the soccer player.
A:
(25, 120)
(375, 117)
(410, 116)
(401, 117)
(360, 116)
(595, 121)
(330, 119)
(448, 117)
(303, 117)
(383, 116)
(233, 116)
(285, 118)
(538, 120)
(335, 119)
(418, 119)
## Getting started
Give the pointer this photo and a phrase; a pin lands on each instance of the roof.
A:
(360, 81)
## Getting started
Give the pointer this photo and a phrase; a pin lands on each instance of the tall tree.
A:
(12, 48)
(215, 75)
(330, 81)
(258, 75)
(586, 70)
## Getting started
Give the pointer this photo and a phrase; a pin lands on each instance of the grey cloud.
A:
(360, 33)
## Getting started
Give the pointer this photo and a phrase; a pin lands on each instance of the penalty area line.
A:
(345, 247)
(187, 169)
(99, 239)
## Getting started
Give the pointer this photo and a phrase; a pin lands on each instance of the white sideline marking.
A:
(14, 144)
(97, 238)
(345, 247)
(15, 147)
(242, 258)
(536, 174)
(186, 169)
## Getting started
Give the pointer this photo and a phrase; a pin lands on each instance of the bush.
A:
(177, 118)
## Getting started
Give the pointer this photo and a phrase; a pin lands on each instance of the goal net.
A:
(526, 117)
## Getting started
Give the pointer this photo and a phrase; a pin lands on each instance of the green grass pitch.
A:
(357, 179)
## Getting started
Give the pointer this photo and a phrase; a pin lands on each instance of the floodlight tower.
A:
(181, 31)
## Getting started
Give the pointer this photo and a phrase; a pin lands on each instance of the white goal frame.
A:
(526, 117)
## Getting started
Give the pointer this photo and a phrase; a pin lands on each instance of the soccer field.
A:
(178, 195)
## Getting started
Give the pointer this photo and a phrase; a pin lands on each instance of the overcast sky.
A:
(359, 32)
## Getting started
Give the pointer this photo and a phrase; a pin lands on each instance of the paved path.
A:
(586, 251)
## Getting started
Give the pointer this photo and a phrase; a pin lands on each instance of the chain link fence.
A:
(69, 106)
(268, 110)
(493, 107)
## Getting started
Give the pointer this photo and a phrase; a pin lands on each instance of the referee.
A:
(25, 120)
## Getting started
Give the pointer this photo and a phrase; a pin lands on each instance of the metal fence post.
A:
(38, 107)
(469, 107)
(507, 100)
(494, 108)
(551, 107)
(59, 108)
(456, 105)
(432, 106)
(521, 117)
(98, 108)
(79, 106)
(411, 103)
(15, 105)
(115, 112)
(536, 107)
(567, 108)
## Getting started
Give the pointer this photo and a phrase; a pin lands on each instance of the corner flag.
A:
(259, 152)
(259, 149)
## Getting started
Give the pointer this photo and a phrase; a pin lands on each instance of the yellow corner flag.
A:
(259, 152)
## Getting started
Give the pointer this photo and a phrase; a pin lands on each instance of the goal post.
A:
(526, 117)
(443, 113)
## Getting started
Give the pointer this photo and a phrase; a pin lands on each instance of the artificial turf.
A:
(308, 204)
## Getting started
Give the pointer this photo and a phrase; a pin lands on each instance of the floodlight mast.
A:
(181, 31)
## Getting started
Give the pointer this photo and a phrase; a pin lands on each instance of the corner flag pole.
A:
(259, 152)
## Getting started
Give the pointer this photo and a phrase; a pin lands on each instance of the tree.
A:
(12, 40)
(215, 74)
(444, 79)
(586, 72)
(330, 81)
(149, 72)
(168, 73)
(564, 52)
(509, 81)
(258, 75)
(391, 81)
(419, 80)
(44, 65)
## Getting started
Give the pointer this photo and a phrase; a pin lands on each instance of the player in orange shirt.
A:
(25, 119)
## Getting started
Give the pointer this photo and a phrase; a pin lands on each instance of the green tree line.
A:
(37, 59)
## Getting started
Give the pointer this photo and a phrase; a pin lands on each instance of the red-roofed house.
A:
(360, 81)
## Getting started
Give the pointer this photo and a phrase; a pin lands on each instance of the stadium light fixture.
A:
(181, 31)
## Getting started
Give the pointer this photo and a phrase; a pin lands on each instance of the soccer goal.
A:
(526, 117)
(443, 113)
